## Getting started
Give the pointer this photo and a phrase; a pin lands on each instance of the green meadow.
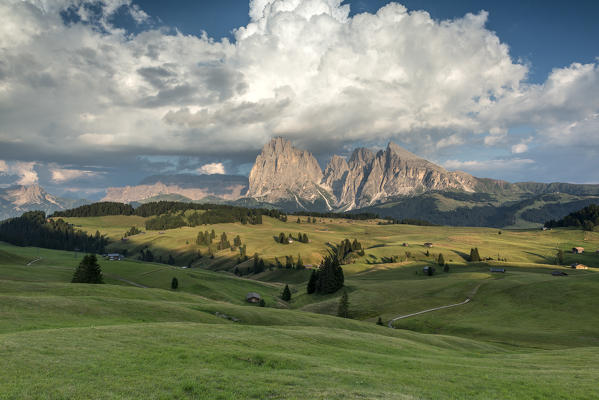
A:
(524, 334)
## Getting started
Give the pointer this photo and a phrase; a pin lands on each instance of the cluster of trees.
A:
(133, 231)
(474, 255)
(97, 210)
(290, 263)
(310, 220)
(406, 221)
(146, 255)
(165, 221)
(34, 229)
(284, 239)
(88, 271)
(329, 276)
(586, 218)
(359, 216)
(205, 238)
(346, 250)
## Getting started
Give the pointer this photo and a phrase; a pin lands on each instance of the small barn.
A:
(114, 257)
(253, 297)
(502, 270)
(428, 244)
(577, 250)
(558, 273)
(578, 266)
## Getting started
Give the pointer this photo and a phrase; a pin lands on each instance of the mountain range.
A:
(392, 182)
(18, 199)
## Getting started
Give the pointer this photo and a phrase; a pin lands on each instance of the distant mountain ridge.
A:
(191, 187)
(18, 199)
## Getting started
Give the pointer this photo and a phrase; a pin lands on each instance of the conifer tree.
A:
(379, 321)
(343, 309)
(256, 259)
(330, 275)
(237, 241)
(299, 264)
(174, 284)
(88, 271)
(560, 257)
(474, 256)
(171, 260)
(299, 221)
(288, 262)
(213, 234)
(261, 267)
(311, 288)
(441, 260)
(286, 295)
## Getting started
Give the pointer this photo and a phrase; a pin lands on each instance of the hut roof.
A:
(252, 295)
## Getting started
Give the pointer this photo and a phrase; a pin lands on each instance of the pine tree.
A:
(299, 221)
(379, 321)
(560, 257)
(446, 268)
(282, 238)
(474, 256)
(256, 259)
(261, 267)
(286, 295)
(299, 264)
(237, 241)
(175, 284)
(330, 275)
(311, 288)
(171, 260)
(213, 234)
(88, 271)
(441, 260)
(343, 309)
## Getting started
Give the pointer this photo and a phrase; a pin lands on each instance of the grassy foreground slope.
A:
(109, 341)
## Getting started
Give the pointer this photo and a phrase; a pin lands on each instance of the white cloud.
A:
(212, 168)
(61, 175)
(24, 170)
(303, 69)
(488, 165)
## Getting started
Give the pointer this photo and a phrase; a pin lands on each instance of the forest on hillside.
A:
(586, 218)
(34, 229)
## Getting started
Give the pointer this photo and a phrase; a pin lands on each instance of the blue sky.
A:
(99, 93)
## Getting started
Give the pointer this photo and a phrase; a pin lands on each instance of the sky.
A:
(106, 92)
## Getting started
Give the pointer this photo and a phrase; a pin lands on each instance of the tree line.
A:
(586, 218)
(34, 229)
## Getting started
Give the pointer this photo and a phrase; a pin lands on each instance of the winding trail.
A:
(436, 308)
(118, 278)
(33, 261)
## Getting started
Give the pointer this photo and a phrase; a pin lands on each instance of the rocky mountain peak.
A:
(283, 172)
(29, 195)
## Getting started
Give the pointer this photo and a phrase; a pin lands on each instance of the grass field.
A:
(525, 334)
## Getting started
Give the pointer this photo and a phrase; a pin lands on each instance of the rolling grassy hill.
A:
(525, 334)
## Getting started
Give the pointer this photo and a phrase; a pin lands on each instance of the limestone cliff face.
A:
(369, 178)
(282, 172)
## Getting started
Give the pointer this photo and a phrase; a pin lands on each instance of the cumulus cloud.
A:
(61, 175)
(24, 171)
(212, 168)
(476, 166)
(304, 69)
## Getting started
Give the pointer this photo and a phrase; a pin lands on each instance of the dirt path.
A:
(118, 278)
(436, 308)
(33, 261)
